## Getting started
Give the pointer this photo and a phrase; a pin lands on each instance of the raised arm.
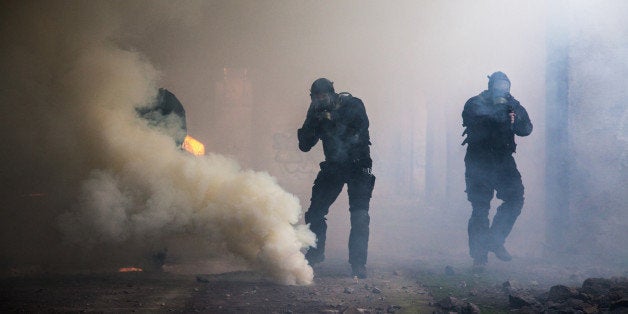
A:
(522, 125)
(307, 134)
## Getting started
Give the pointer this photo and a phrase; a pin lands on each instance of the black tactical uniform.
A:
(342, 125)
(490, 167)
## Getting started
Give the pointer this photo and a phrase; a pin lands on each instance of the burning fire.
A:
(193, 146)
(129, 269)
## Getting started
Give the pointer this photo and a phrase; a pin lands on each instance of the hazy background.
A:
(242, 69)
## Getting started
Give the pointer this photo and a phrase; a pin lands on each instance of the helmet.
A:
(321, 86)
(497, 76)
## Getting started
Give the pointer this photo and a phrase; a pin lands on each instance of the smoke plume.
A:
(69, 94)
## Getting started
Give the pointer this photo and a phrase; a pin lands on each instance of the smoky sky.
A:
(242, 69)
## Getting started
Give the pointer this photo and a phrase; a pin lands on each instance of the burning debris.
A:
(193, 146)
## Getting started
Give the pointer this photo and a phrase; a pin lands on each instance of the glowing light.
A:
(193, 146)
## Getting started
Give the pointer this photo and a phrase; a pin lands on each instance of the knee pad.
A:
(360, 218)
(513, 206)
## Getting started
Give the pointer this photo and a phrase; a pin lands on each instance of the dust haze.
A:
(83, 174)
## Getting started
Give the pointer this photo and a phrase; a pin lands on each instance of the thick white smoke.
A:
(128, 181)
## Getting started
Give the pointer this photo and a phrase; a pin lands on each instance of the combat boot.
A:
(358, 271)
(501, 253)
(479, 264)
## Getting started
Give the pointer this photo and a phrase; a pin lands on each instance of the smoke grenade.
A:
(112, 178)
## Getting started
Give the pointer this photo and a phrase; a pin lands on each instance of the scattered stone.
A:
(393, 308)
(561, 293)
(596, 286)
(449, 303)
(620, 304)
(376, 290)
(590, 309)
(452, 304)
(519, 300)
(507, 286)
(617, 293)
(202, 279)
(562, 307)
(469, 308)
(596, 295)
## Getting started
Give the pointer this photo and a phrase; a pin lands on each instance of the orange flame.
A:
(193, 146)
(129, 269)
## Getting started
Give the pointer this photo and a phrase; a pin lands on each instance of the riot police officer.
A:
(341, 123)
(492, 119)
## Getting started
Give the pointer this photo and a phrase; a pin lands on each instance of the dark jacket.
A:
(488, 126)
(345, 137)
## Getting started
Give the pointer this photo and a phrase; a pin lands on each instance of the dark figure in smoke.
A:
(168, 114)
(340, 121)
(492, 119)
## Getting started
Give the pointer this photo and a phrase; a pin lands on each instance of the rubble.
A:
(597, 295)
(452, 304)
(519, 300)
(393, 308)
(509, 286)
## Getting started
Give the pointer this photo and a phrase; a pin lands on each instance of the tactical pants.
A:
(327, 187)
(486, 173)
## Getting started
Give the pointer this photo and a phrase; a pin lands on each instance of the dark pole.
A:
(556, 121)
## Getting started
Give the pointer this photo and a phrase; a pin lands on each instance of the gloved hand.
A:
(323, 115)
(320, 111)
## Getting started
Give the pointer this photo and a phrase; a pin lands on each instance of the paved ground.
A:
(387, 290)
(410, 286)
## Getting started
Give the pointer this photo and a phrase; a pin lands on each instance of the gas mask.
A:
(500, 89)
(322, 101)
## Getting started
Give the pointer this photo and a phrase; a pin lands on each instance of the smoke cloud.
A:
(104, 176)
(79, 158)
